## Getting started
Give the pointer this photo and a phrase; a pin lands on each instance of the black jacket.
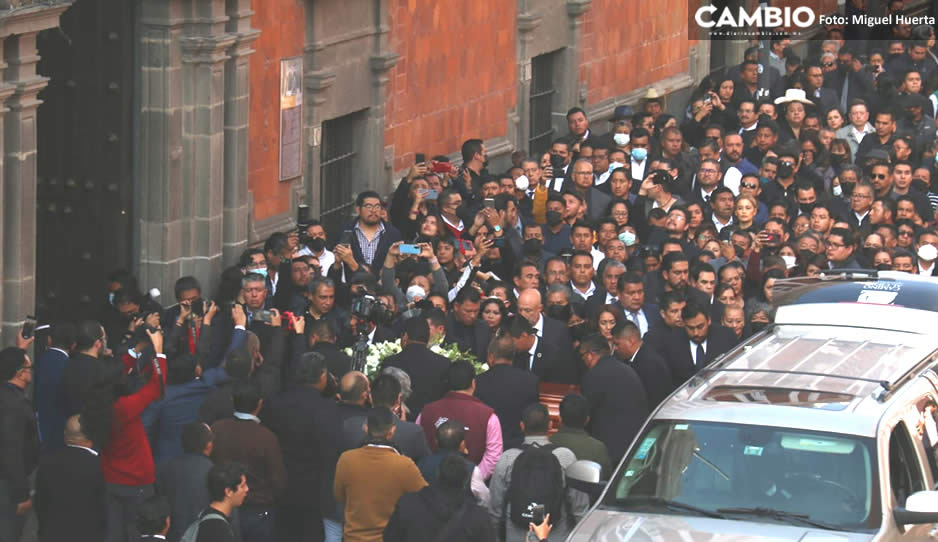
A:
(436, 513)
(655, 374)
(618, 404)
(307, 426)
(338, 361)
(19, 441)
(390, 236)
(182, 482)
(678, 356)
(427, 372)
(70, 496)
(81, 372)
(508, 390)
(474, 339)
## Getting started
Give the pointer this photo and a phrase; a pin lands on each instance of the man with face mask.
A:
(554, 348)
(316, 246)
(783, 187)
(556, 232)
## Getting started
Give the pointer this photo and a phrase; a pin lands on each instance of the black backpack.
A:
(536, 478)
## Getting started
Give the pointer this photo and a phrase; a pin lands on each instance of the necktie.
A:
(701, 355)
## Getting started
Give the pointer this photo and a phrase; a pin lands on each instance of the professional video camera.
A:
(368, 310)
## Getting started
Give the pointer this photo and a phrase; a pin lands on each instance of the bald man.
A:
(553, 343)
(70, 490)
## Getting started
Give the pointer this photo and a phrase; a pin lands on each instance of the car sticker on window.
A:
(643, 449)
(753, 450)
(680, 427)
(877, 297)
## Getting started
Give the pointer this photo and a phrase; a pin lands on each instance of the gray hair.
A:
(753, 307)
(614, 264)
(403, 378)
(252, 277)
(560, 288)
(320, 281)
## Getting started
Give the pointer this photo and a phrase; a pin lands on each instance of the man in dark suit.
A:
(507, 389)
(550, 356)
(153, 519)
(427, 370)
(306, 424)
(82, 369)
(409, 438)
(463, 326)
(70, 494)
(322, 338)
(631, 290)
(661, 334)
(698, 345)
(648, 364)
(618, 403)
(824, 98)
(182, 480)
(369, 237)
(49, 383)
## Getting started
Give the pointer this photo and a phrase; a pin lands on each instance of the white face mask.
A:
(522, 183)
(621, 139)
(789, 261)
(837, 191)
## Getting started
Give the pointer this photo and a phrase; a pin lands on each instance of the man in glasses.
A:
(881, 179)
(861, 204)
(20, 440)
(750, 185)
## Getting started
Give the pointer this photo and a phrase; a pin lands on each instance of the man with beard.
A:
(734, 164)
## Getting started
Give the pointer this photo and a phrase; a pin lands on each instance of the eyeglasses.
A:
(880, 176)
(371, 206)
(751, 186)
(905, 233)
(835, 245)
(828, 64)
(708, 170)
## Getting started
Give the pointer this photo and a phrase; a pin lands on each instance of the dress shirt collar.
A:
(85, 448)
(247, 417)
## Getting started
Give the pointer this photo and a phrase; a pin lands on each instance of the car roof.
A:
(820, 367)
(893, 288)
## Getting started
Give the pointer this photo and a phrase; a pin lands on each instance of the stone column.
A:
(571, 94)
(377, 174)
(237, 109)
(203, 67)
(527, 23)
(159, 161)
(19, 180)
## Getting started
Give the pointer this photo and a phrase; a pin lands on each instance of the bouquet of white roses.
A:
(378, 352)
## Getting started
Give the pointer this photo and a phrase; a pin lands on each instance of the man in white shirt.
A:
(858, 127)
(581, 273)
(316, 246)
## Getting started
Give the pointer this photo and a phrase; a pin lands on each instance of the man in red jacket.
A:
(126, 459)
(483, 430)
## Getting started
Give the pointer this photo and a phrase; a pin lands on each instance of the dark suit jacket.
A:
(473, 338)
(81, 371)
(659, 337)
(70, 496)
(182, 482)
(338, 361)
(554, 359)
(391, 235)
(652, 314)
(51, 407)
(427, 373)
(508, 390)
(719, 341)
(409, 438)
(596, 204)
(618, 404)
(307, 426)
(655, 374)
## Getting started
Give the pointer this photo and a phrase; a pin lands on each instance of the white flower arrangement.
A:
(378, 352)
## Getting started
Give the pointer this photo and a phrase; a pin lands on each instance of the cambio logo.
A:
(763, 16)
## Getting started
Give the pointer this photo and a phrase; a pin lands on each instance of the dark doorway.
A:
(85, 161)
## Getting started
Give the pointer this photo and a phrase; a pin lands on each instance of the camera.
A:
(263, 315)
(368, 307)
(556, 163)
(198, 306)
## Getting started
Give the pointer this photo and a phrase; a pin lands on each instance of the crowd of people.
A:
(621, 263)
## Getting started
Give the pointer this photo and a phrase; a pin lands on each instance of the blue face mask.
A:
(639, 154)
(262, 271)
(627, 237)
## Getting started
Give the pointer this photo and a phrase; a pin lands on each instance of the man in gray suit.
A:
(596, 201)
(408, 438)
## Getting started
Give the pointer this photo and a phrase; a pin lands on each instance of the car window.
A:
(905, 476)
(923, 416)
(827, 477)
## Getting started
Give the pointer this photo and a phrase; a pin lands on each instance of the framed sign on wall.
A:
(291, 118)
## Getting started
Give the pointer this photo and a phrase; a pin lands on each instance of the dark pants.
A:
(257, 523)
(298, 524)
(11, 525)
(122, 502)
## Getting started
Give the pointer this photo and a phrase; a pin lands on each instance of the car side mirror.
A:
(586, 476)
(920, 507)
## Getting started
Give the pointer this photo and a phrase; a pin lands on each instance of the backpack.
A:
(192, 532)
(536, 478)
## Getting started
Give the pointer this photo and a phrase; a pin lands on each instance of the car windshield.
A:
(742, 471)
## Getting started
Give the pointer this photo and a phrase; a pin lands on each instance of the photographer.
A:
(369, 319)
(186, 322)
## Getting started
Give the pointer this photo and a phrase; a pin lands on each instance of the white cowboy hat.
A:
(793, 95)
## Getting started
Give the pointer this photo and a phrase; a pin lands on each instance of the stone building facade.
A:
(159, 135)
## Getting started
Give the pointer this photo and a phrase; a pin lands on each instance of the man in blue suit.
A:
(51, 408)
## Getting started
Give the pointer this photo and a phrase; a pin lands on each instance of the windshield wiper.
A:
(780, 515)
(673, 505)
